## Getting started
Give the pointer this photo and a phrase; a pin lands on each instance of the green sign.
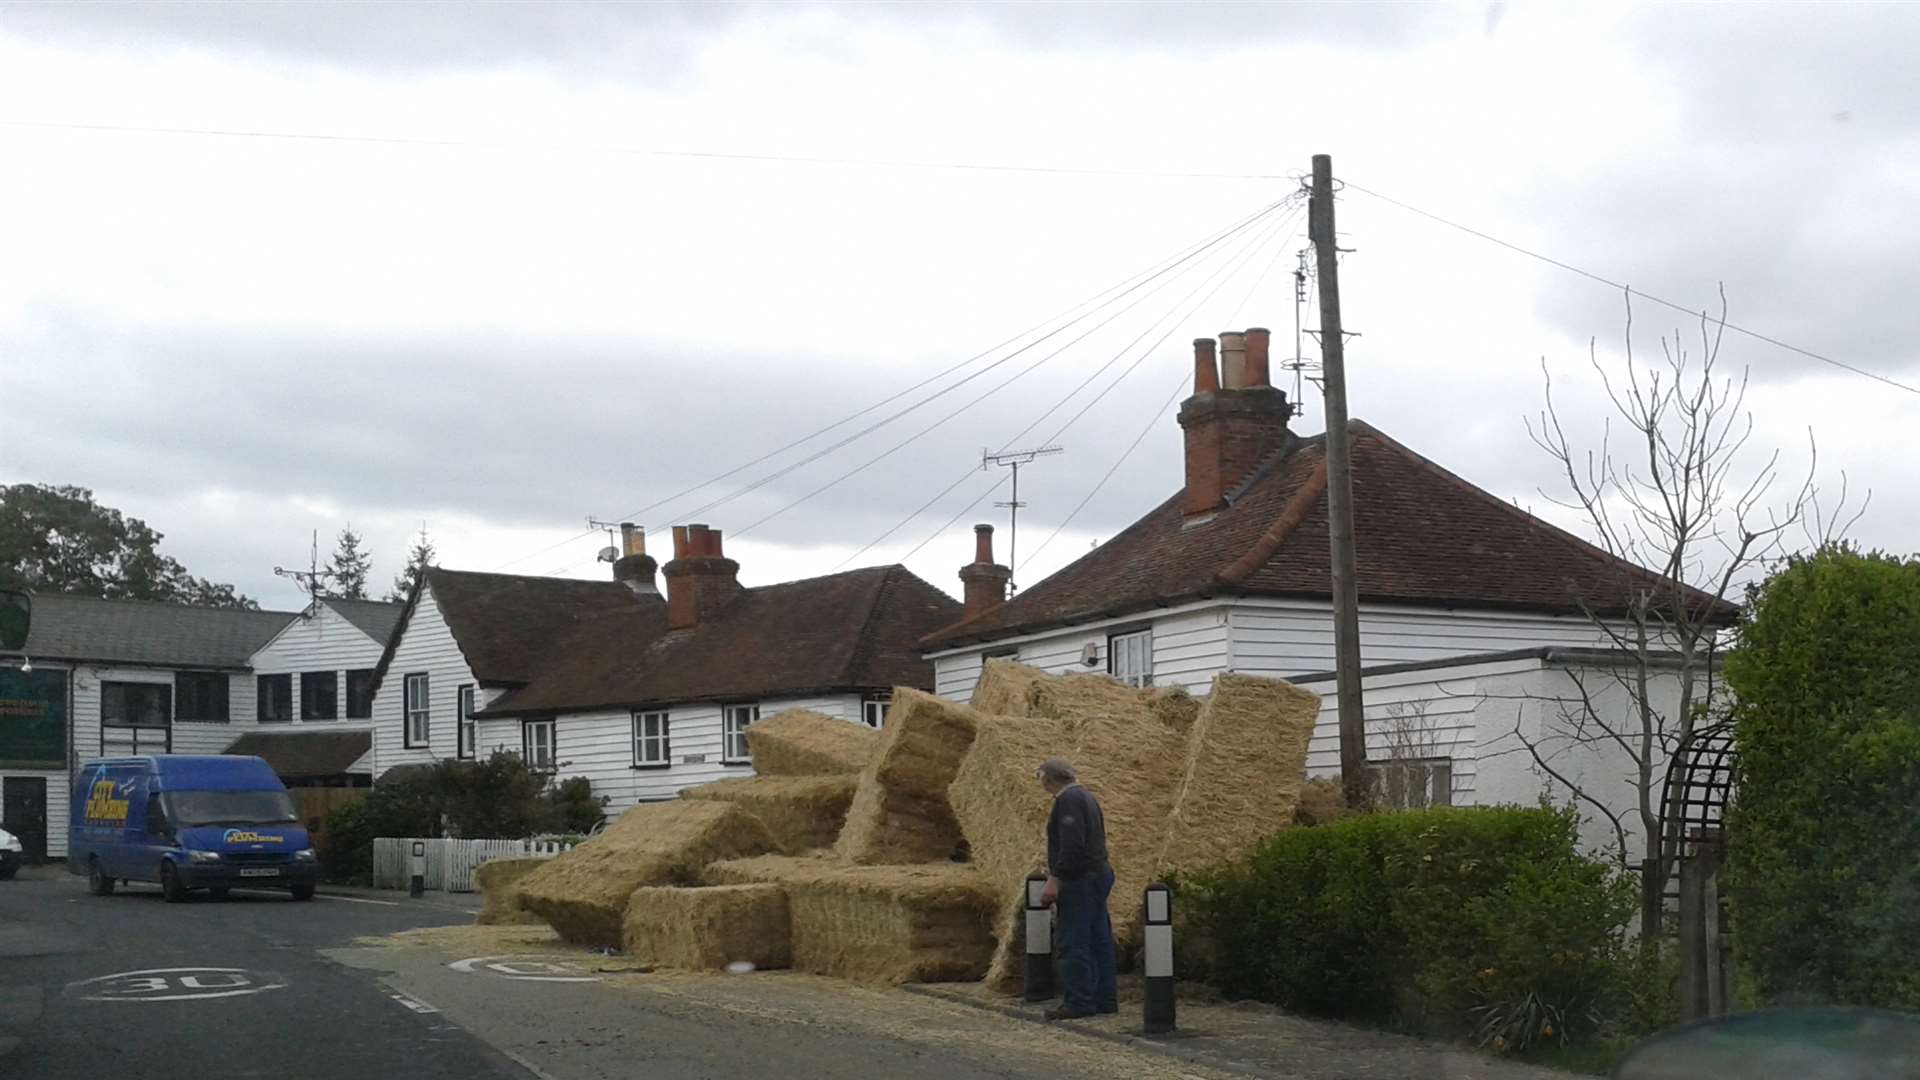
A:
(33, 719)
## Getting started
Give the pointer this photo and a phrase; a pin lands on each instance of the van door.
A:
(123, 809)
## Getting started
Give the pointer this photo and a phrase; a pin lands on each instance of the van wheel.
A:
(171, 889)
(98, 883)
(303, 892)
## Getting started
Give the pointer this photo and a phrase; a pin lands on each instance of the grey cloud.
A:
(653, 42)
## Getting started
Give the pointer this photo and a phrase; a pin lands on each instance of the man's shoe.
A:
(1068, 1012)
(1108, 1009)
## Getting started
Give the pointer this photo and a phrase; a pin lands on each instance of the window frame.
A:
(730, 732)
(408, 710)
(120, 686)
(1438, 777)
(332, 685)
(1116, 642)
(366, 690)
(884, 702)
(466, 731)
(224, 696)
(663, 739)
(552, 727)
(265, 695)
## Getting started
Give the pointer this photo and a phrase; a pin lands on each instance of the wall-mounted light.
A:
(26, 665)
(1090, 654)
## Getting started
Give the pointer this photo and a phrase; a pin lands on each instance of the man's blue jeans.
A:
(1086, 941)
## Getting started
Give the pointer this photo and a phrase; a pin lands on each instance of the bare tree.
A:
(1690, 512)
(1415, 774)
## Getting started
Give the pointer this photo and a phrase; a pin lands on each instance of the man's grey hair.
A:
(1058, 770)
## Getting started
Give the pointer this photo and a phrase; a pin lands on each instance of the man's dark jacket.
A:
(1076, 835)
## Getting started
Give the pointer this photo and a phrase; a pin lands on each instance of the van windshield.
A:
(188, 808)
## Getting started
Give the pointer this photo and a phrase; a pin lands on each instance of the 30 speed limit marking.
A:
(175, 984)
(524, 969)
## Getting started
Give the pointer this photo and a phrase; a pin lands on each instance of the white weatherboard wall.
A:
(1468, 713)
(1282, 638)
(599, 746)
(426, 644)
(321, 642)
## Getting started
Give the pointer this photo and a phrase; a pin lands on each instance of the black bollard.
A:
(1158, 1005)
(1039, 929)
(417, 883)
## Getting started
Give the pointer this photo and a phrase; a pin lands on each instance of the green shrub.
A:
(573, 807)
(1824, 834)
(1474, 922)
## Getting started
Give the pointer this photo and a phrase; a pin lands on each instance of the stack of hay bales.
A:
(900, 813)
(885, 924)
(583, 894)
(499, 883)
(800, 813)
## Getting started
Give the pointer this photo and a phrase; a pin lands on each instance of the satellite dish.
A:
(1090, 654)
(608, 554)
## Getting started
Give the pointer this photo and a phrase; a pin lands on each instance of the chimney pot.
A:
(983, 545)
(1259, 362)
(1206, 376)
(679, 541)
(633, 539)
(713, 544)
(1233, 360)
(697, 540)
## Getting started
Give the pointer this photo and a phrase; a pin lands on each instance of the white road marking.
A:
(174, 984)
(523, 969)
(413, 1003)
(358, 900)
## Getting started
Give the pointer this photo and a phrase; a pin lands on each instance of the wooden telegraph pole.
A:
(1346, 593)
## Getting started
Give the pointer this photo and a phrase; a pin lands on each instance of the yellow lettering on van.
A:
(102, 807)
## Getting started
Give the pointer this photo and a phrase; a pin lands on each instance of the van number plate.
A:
(259, 871)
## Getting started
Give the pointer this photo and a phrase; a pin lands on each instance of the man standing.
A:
(1079, 879)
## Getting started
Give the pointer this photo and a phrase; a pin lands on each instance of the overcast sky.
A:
(481, 298)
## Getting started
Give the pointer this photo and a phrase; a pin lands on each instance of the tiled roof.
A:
(1423, 536)
(506, 622)
(145, 632)
(840, 632)
(374, 618)
(303, 753)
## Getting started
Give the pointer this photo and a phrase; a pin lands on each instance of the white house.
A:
(101, 677)
(1231, 573)
(313, 693)
(642, 693)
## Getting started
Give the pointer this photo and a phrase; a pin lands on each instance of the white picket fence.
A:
(451, 863)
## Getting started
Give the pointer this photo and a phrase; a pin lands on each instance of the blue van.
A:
(187, 823)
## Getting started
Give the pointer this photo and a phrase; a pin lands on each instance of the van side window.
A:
(156, 817)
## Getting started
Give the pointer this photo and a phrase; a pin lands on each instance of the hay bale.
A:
(1320, 802)
(1244, 770)
(499, 882)
(1006, 687)
(800, 813)
(1176, 708)
(900, 812)
(707, 929)
(583, 894)
(801, 742)
(879, 924)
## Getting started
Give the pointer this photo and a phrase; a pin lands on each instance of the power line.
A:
(964, 511)
(1152, 271)
(1628, 289)
(632, 151)
(1023, 372)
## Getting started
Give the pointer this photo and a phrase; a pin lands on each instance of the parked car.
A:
(188, 823)
(12, 854)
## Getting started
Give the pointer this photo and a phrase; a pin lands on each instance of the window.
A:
(466, 739)
(418, 727)
(536, 745)
(650, 748)
(1411, 784)
(200, 697)
(734, 721)
(360, 694)
(276, 699)
(129, 704)
(1130, 657)
(874, 710)
(319, 695)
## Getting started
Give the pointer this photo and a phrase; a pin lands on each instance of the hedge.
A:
(1482, 922)
(1824, 833)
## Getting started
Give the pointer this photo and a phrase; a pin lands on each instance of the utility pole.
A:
(1346, 592)
(1013, 459)
(313, 581)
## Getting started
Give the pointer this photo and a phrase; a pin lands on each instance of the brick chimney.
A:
(700, 579)
(1233, 421)
(984, 581)
(634, 568)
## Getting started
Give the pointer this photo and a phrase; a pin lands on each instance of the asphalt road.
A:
(259, 985)
(234, 988)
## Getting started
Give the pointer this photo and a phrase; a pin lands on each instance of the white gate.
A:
(451, 863)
